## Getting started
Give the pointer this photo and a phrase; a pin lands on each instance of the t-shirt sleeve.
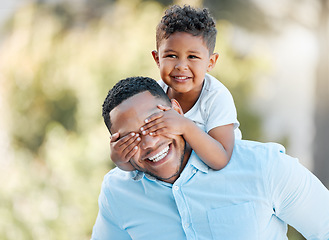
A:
(221, 110)
(162, 85)
(107, 225)
(298, 197)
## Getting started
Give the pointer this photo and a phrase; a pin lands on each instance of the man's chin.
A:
(165, 178)
(171, 177)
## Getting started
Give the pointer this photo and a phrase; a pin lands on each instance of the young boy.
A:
(185, 40)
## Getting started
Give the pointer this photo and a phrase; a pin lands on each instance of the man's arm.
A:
(105, 229)
(298, 197)
(106, 225)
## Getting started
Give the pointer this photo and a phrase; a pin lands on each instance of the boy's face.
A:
(170, 153)
(183, 60)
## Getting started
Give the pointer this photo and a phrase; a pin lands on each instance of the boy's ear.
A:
(212, 61)
(176, 106)
(155, 55)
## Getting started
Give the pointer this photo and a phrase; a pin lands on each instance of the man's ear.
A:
(176, 106)
(212, 61)
(155, 55)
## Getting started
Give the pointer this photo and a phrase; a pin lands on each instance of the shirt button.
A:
(176, 188)
(194, 171)
(186, 225)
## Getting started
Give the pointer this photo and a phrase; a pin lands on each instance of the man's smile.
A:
(159, 156)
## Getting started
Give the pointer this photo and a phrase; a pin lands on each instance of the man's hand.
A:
(124, 149)
(167, 123)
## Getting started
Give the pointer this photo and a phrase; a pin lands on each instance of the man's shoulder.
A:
(117, 177)
(257, 153)
(261, 147)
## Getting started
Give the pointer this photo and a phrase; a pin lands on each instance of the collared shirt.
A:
(255, 196)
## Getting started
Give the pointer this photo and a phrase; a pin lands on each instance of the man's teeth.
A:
(160, 155)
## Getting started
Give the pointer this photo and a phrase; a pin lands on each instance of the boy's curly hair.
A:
(197, 22)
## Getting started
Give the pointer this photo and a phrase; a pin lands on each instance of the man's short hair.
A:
(127, 88)
(197, 22)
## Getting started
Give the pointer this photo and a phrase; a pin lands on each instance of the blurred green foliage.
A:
(57, 65)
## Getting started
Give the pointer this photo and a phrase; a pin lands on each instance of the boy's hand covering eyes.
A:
(124, 149)
(168, 123)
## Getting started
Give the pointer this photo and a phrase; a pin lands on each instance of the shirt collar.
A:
(194, 161)
(138, 175)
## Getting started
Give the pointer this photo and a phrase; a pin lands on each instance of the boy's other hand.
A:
(123, 149)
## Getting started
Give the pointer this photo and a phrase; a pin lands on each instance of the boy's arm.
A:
(214, 149)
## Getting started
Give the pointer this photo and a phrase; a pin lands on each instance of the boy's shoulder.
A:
(212, 83)
(214, 89)
(162, 85)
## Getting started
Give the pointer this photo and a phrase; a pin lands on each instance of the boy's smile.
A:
(183, 60)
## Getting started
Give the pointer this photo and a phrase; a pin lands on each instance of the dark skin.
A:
(163, 156)
(183, 60)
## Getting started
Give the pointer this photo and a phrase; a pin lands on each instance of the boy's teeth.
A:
(181, 78)
(160, 155)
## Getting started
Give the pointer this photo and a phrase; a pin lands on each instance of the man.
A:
(174, 195)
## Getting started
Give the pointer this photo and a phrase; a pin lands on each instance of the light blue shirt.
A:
(255, 196)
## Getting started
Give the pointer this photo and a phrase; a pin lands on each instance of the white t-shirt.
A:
(214, 107)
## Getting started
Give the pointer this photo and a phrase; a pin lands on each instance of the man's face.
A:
(167, 154)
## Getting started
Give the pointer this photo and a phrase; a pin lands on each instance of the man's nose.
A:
(149, 141)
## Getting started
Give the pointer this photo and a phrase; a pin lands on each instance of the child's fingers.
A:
(123, 152)
(157, 128)
(114, 137)
(127, 139)
(130, 145)
(152, 126)
(132, 152)
(118, 148)
(164, 108)
(159, 131)
(153, 117)
(165, 133)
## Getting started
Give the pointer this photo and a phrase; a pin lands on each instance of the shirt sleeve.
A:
(299, 198)
(221, 110)
(107, 225)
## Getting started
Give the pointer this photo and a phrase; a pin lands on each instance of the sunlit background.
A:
(58, 59)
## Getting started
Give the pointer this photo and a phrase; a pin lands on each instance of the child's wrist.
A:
(188, 126)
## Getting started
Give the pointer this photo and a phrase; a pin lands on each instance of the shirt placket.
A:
(182, 206)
